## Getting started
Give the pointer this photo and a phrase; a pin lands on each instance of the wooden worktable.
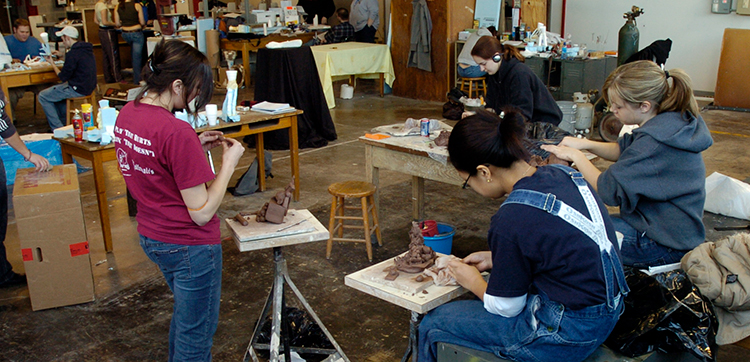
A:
(22, 78)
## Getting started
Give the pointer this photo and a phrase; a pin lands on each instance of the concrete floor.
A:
(129, 321)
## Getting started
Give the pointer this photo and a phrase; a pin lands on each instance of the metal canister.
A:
(77, 122)
(424, 127)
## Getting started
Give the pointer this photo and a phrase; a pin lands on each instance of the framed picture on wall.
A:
(62, 2)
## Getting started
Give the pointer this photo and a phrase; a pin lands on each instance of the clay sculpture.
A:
(537, 160)
(442, 139)
(275, 210)
(419, 256)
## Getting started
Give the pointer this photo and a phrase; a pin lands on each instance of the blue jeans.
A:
(193, 273)
(639, 251)
(544, 331)
(136, 40)
(473, 71)
(53, 99)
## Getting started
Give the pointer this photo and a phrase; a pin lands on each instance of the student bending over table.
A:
(556, 289)
(510, 82)
(164, 165)
(658, 179)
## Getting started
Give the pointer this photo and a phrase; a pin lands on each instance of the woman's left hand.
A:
(41, 164)
(211, 139)
(466, 275)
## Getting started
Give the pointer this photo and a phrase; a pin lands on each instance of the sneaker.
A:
(15, 280)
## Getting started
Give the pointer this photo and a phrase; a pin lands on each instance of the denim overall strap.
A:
(595, 229)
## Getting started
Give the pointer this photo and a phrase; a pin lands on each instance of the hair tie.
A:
(153, 70)
(666, 73)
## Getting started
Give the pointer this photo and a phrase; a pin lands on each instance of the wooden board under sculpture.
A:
(295, 222)
(405, 271)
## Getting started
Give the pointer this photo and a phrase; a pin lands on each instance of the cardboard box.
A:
(52, 231)
(119, 92)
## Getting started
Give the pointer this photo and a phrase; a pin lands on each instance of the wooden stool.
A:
(341, 191)
(473, 86)
(91, 99)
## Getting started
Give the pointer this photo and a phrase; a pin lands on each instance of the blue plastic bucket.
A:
(443, 241)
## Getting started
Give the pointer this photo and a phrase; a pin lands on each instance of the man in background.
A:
(365, 18)
(341, 32)
(78, 76)
(21, 44)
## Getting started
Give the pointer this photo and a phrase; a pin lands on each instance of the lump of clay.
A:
(439, 272)
(537, 160)
(419, 256)
(275, 210)
(442, 139)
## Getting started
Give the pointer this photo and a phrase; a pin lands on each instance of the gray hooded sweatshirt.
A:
(659, 180)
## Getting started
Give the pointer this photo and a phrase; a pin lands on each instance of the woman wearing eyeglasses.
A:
(556, 289)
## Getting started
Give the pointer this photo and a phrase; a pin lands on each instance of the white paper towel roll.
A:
(347, 91)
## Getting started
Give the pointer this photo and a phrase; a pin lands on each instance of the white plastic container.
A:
(347, 91)
(568, 122)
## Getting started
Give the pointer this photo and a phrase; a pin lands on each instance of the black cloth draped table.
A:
(290, 76)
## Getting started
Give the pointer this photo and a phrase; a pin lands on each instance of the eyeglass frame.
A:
(466, 183)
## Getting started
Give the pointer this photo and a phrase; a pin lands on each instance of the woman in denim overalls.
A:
(557, 285)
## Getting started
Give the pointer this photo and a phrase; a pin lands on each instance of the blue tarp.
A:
(50, 149)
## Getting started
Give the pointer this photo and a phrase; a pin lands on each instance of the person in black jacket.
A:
(510, 82)
(78, 76)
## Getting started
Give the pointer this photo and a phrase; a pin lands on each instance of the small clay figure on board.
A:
(419, 256)
(275, 210)
(442, 139)
(537, 160)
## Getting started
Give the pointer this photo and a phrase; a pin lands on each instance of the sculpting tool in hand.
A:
(295, 224)
(725, 228)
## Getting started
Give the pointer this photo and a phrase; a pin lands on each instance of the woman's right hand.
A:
(233, 150)
(482, 260)
(575, 142)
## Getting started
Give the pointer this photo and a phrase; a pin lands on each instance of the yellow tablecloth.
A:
(365, 60)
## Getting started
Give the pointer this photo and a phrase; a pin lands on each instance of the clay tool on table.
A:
(725, 228)
(290, 226)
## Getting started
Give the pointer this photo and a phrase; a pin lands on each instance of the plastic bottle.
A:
(88, 121)
(77, 122)
(229, 108)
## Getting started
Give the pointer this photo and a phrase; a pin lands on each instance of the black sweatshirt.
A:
(516, 85)
(80, 68)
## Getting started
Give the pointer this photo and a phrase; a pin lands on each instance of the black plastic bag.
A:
(248, 182)
(664, 312)
(542, 133)
(456, 94)
(453, 111)
(303, 331)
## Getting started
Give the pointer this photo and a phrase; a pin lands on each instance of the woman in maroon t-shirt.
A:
(165, 168)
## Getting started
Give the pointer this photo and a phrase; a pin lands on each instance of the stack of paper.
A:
(272, 108)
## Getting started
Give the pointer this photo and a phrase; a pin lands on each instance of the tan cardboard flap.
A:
(30, 182)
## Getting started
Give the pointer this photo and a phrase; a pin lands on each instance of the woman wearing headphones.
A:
(511, 83)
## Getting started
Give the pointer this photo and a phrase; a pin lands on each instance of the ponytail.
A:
(643, 80)
(680, 98)
(486, 139)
